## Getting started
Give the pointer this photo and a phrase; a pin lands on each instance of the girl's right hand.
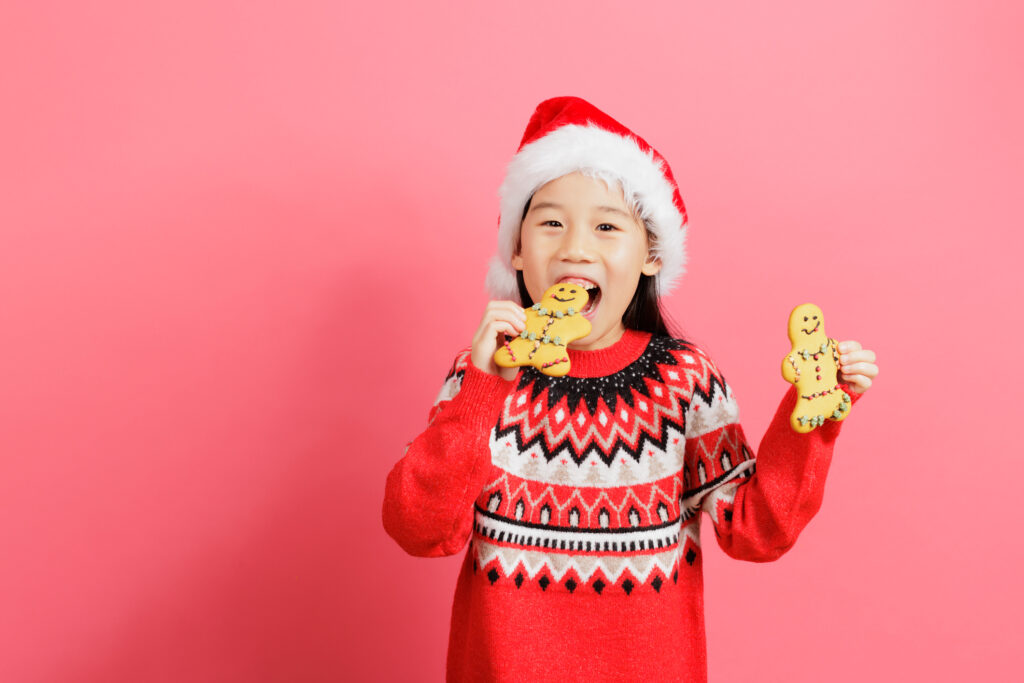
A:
(500, 318)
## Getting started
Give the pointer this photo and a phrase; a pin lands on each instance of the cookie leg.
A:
(841, 407)
(801, 423)
(552, 360)
(802, 417)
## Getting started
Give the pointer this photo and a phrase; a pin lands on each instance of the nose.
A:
(575, 245)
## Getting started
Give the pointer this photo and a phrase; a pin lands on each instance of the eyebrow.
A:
(553, 205)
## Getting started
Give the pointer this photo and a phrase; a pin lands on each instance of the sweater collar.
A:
(610, 359)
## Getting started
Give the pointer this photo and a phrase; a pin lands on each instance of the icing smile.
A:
(812, 331)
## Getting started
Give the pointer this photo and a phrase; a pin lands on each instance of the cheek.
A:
(532, 255)
(627, 270)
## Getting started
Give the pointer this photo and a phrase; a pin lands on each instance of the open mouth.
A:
(593, 292)
(595, 298)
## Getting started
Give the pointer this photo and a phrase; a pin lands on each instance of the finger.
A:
(506, 310)
(866, 369)
(491, 329)
(865, 355)
(492, 316)
(500, 328)
(506, 317)
(849, 345)
(857, 383)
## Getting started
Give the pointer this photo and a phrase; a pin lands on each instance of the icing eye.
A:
(572, 291)
(561, 289)
(805, 318)
(815, 317)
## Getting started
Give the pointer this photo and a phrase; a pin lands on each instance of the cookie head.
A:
(565, 295)
(807, 325)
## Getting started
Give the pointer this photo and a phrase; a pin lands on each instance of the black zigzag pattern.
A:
(613, 388)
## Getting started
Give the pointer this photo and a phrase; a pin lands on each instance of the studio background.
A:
(242, 243)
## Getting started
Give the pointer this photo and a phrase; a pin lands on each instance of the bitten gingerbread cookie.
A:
(813, 366)
(550, 326)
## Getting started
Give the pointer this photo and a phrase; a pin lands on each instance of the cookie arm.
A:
(760, 502)
(429, 494)
(789, 368)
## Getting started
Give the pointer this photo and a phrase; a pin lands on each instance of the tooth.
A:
(582, 282)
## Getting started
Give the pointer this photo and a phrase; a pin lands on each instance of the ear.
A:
(651, 266)
(517, 260)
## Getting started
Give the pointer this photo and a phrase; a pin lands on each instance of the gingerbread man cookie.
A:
(550, 326)
(813, 366)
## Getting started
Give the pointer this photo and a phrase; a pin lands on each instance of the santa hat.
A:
(568, 134)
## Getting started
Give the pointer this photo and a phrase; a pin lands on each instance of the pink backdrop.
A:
(241, 243)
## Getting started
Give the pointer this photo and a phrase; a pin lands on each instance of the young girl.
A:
(580, 496)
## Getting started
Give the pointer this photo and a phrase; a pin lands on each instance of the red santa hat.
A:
(568, 134)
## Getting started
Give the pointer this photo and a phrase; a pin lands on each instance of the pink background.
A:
(241, 244)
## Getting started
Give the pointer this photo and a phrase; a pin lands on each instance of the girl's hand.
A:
(856, 366)
(500, 318)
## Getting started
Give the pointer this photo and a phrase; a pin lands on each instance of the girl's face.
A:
(578, 230)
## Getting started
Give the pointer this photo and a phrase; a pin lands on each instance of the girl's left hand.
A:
(856, 366)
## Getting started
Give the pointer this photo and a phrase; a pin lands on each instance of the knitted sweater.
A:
(580, 497)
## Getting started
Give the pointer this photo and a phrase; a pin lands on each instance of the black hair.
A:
(643, 312)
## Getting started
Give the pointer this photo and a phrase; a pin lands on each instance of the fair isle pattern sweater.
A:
(580, 498)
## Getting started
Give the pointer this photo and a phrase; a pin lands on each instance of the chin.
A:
(581, 342)
(595, 336)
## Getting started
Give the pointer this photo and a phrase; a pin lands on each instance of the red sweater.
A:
(580, 497)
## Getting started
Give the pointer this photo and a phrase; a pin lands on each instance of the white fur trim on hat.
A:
(608, 155)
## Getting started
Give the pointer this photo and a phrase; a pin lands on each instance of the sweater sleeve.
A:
(429, 494)
(758, 502)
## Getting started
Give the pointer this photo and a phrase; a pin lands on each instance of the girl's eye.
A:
(606, 227)
(555, 224)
